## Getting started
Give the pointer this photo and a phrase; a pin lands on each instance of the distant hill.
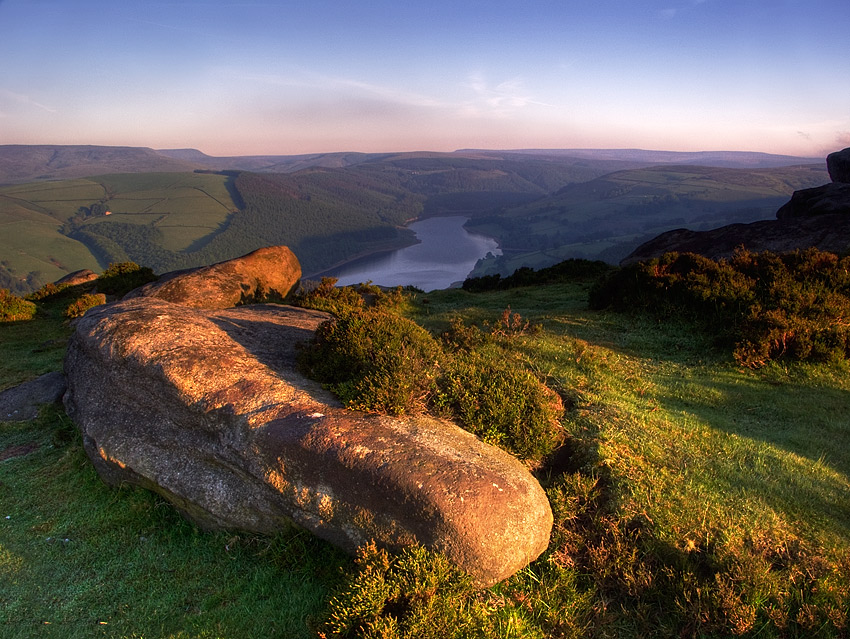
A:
(609, 216)
(268, 163)
(178, 208)
(728, 159)
(27, 163)
(817, 217)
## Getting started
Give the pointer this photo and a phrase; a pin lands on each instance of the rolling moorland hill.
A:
(607, 217)
(27, 163)
(542, 206)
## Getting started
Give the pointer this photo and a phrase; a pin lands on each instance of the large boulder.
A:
(206, 408)
(273, 270)
(838, 165)
(821, 200)
(76, 278)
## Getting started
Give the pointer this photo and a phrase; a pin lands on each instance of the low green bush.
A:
(327, 296)
(78, 307)
(415, 593)
(48, 290)
(568, 270)
(501, 402)
(769, 306)
(375, 360)
(14, 308)
(122, 277)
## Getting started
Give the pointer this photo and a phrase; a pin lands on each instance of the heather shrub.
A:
(78, 307)
(122, 277)
(463, 337)
(328, 297)
(767, 305)
(48, 290)
(568, 270)
(503, 403)
(375, 361)
(14, 308)
(416, 593)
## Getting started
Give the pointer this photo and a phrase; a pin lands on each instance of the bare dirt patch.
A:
(18, 451)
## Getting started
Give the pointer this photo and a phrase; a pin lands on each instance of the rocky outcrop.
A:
(822, 200)
(838, 165)
(76, 278)
(206, 408)
(272, 270)
(21, 403)
(825, 232)
(817, 217)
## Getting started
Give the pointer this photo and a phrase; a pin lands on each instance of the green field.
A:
(38, 219)
(692, 498)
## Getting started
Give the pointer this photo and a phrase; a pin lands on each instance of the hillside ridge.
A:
(20, 163)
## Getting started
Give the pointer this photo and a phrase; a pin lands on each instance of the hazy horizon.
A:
(265, 78)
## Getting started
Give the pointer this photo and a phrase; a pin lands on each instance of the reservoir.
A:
(445, 255)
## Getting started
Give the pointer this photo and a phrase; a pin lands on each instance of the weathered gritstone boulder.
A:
(83, 276)
(206, 409)
(821, 200)
(270, 270)
(838, 165)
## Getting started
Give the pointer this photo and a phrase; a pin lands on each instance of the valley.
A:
(180, 209)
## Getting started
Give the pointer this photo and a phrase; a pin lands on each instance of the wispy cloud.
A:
(671, 12)
(501, 100)
(10, 97)
(346, 86)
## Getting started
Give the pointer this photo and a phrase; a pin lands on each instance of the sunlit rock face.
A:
(206, 408)
(272, 270)
(76, 278)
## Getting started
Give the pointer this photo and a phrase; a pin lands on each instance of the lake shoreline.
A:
(390, 248)
(362, 257)
(443, 256)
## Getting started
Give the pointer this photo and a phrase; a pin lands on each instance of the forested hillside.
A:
(542, 207)
(607, 217)
(326, 215)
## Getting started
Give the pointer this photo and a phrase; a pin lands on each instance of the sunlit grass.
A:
(692, 498)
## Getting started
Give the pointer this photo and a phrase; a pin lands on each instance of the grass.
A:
(692, 498)
(188, 207)
(78, 559)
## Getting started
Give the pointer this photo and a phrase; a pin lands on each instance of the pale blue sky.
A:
(320, 75)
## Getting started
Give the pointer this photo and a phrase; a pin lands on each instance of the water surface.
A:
(445, 256)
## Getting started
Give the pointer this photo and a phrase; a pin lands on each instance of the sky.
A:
(315, 76)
